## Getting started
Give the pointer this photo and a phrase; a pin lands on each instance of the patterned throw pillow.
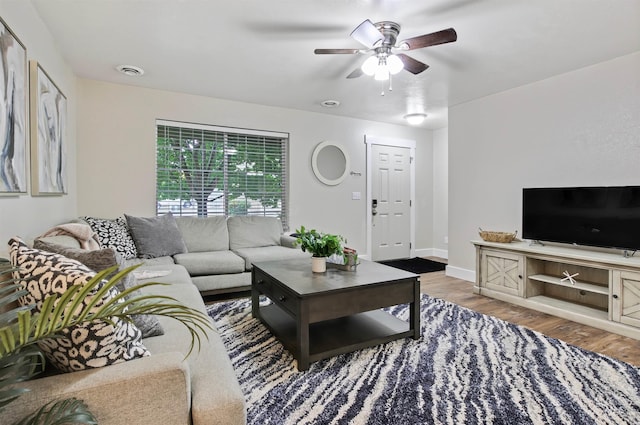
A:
(102, 259)
(114, 234)
(90, 345)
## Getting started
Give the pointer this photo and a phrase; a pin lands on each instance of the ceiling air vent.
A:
(130, 70)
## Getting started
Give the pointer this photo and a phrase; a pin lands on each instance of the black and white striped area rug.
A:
(467, 368)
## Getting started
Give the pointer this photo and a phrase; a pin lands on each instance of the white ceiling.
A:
(261, 51)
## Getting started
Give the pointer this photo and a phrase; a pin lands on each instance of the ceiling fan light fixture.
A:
(415, 119)
(382, 73)
(394, 64)
(370, 65)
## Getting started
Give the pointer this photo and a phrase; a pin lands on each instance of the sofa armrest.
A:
(288, 241)
(150, 390)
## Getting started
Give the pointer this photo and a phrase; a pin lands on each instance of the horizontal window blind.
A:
(206, 170)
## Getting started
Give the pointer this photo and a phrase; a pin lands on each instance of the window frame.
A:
(235, 134)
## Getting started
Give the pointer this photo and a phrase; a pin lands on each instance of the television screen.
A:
(595, 216)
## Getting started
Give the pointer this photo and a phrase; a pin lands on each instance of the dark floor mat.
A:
(416, 265)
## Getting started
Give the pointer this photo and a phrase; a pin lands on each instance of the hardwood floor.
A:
(460, 292)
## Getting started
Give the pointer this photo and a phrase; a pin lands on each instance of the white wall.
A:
(24, 215)
(440, 191)
(116, 154)
(424, 196)
(579, 128)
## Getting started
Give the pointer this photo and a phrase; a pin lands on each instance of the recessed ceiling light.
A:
(415, 119)
(130, 70)
(330, 103)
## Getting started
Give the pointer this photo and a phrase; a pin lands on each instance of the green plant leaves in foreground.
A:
(21, 328)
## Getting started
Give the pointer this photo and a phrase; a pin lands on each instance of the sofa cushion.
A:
(202, 234)
(156, 236)
(269, 253)
(253, 231)
(222, 283)
(159, 261)
(99, 260)
(89, 345)
(214, 262)
(113, 234)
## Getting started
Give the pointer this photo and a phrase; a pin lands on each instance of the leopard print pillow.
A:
(85, 346)
(101, 259)
(114, 234)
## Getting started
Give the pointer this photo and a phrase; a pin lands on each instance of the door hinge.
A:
(410, 202)
(409, 245)
(410, 159)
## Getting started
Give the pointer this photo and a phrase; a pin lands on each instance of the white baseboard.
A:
(440, 253)
(460, 273)
(431, 252)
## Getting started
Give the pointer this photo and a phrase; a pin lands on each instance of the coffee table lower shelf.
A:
(337, 336)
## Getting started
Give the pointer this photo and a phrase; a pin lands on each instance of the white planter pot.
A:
(318, 264)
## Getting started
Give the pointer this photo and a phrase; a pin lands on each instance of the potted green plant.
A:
(21, 328)
(320, 245)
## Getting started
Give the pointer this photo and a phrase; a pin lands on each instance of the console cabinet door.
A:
(625, 297)
(502, 271)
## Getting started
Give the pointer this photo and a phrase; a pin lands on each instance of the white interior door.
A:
(390, 202)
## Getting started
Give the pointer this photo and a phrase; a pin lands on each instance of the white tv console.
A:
(604, 294)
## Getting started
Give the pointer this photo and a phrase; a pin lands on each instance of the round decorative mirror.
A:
(330, 163)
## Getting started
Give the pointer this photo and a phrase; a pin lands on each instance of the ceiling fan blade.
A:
(440, 37)
(367, 34)
(355, 73)
(336, 51)
(412, 65)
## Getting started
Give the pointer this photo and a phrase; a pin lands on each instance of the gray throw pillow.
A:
(99, 260)
(156, 236)
(96, 260)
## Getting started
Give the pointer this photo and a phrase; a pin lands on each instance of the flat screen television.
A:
(607, 217)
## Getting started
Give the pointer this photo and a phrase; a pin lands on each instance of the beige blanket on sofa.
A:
(83, 233)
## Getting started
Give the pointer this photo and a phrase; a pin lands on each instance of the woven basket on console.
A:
(502, 237)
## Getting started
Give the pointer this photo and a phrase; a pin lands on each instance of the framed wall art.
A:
(48, 119)
(13, 113)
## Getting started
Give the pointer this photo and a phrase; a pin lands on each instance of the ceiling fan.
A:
(380, 38)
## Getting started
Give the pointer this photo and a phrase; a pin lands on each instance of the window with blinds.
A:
(206, 170)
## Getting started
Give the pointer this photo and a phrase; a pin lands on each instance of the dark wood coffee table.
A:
(320, 315)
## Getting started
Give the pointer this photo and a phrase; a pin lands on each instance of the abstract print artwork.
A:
(48, 134)
(13, 110)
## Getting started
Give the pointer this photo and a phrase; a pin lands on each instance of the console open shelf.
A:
(555, 304)
(582, 286)
(603, 293)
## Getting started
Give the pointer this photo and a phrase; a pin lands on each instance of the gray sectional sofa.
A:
(163, 388)
(166, 388)
(220, 251)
